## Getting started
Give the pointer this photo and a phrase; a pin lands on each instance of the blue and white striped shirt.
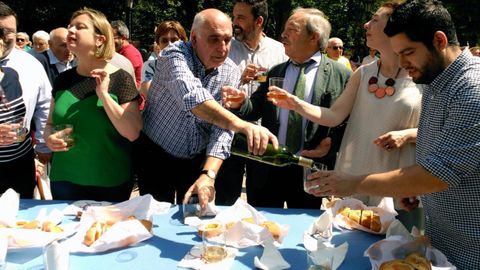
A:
(179, 85)
(448, 146)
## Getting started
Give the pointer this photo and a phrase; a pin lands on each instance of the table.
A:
(171, 241)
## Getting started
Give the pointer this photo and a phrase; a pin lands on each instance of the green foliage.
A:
(346, 16)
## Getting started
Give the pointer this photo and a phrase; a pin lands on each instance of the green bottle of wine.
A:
(281, 157)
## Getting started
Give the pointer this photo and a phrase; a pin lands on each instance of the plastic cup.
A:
(56, 257)
(276, 81)
(214, 247)
(18, 126)
(307, 171)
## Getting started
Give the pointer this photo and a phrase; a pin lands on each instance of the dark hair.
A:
(259, 8)
(419, 20)
(5, 11)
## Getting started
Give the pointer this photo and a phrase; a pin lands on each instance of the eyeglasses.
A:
(336, 47)
(20, 40)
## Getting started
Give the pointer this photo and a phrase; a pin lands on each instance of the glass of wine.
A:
(65, 132)
(214, 247)
(317, 166)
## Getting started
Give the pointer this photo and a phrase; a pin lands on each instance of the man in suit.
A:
(305, 36)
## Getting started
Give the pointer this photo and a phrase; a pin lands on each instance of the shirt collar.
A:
(52, 57)
(451, 70)
(316, 58)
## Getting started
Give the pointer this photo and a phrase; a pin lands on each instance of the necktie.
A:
(294, 129)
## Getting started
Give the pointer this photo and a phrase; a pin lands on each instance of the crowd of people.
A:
(403, 124)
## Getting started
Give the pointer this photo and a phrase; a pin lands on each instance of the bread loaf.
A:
(95, 231)
(209, 230)
(367, 218)
(413, 261)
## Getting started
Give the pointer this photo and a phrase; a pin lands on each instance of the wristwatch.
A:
(210, 173)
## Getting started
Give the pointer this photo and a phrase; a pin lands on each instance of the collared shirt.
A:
(36, 90)
(448, 146)
(291, 75)
(179, 85)
(61, 66)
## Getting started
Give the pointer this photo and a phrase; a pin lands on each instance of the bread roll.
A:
(396, 265)
(94, 232)
(273, 227)
(30, 225)
(418, 261)
(211, 229)
(49, 226)
(367, 218)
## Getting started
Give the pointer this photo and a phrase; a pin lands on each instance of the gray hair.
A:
(41, 35)
(121, 28)
(317, 23)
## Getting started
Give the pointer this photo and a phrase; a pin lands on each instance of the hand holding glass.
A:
(278, 82)
(65, 132)
(309, 170)
(18, 127)
(233, 95)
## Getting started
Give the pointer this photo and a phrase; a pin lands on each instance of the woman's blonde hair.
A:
(102, 27)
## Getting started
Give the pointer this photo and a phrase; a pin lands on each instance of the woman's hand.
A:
(55, 141)
(281, 98)
(103, 80)
(7, 136)
(396, 139)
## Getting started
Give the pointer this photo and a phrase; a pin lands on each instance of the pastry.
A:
(211, 229)
(418, 261)
(396, 265)
(30, 225)
(94, 232)
(49, 226)
(273, 227)
(367, 218)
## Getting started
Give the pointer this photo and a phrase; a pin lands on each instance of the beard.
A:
(239, 33)
(431, 69)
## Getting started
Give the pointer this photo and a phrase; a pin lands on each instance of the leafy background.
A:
(346, 16)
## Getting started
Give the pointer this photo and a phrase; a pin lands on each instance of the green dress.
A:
(101, 156)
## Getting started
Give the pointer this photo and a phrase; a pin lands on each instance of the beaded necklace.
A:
(380, 92)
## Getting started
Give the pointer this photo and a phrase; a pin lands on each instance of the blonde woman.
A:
(101, 102)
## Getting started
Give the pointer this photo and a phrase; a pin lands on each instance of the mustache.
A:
(236, 27)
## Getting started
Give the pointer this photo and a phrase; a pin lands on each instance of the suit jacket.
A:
(330, 80)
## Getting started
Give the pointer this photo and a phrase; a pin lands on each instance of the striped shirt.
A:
(448, 146)
(180, 84)
(12, 109)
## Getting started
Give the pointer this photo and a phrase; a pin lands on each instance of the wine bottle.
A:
(280, 157)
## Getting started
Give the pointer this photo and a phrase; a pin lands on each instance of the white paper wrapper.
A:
(243, 234)
(271, 258)
(210, 210)
(317, 240)
(399, 243)
(123, 232)
(193, 259)
(10, 203)
(385, 210)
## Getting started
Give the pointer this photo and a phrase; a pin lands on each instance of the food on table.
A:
(49, 226)
(210, 229)
(273, 228)
(367, 218)
(98, 228)
(28, 224)
(414, 261)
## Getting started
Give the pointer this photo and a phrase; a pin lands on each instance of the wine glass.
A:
(317, 166)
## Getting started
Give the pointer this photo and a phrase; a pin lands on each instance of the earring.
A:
(98, 52)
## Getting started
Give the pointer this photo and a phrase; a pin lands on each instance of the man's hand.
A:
(205, 188)
(250, 72)
(232, 98)
(320, 151)
(44, 158)
(258, 138)
(331, 183)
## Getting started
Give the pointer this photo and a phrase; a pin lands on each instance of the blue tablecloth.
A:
(171, 241)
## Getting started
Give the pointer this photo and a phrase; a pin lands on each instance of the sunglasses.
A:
(20, 40)
(337, 47)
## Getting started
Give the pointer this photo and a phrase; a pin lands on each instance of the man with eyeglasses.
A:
(121, 36)
(335, 51)
(24, 99)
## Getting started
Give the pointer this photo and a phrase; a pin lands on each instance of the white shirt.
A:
(37, 91)
(291, 75)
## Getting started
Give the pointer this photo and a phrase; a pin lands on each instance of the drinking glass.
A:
(278, 82)
(214, 247)
(65, 132)
(56, 257)
(21, 131)
(191, 208)
(317, 166)
(238, 98)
